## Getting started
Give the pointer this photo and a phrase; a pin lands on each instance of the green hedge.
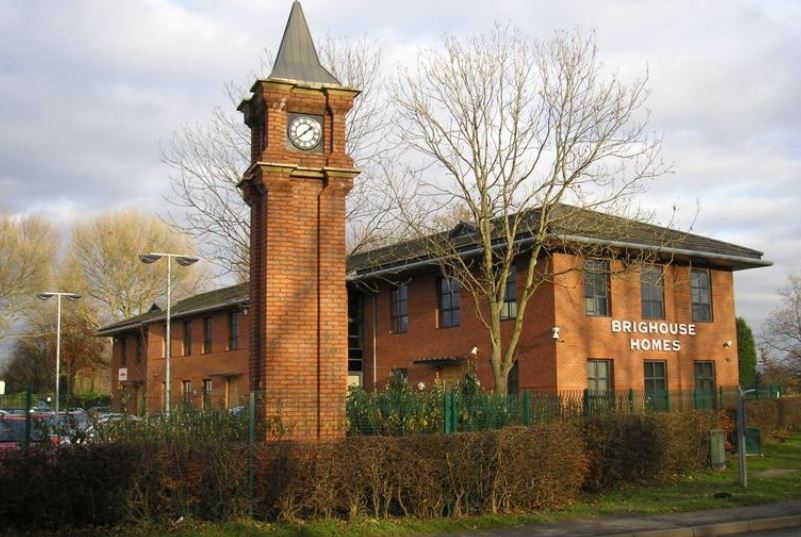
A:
(162, 477)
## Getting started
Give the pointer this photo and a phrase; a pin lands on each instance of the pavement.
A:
(736, 521)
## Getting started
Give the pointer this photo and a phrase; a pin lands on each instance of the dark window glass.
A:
(123, 350)
(652, 292)
(206, 335)
(509, 306)
(450, 301)
(187, 391)
(207, 387)
(187, 338)
(599, 377)
(656, 385)
(233, 331)
(596, 287)
(704, 393)
(701, 289)
(355, 327)
(139, 347)
(399, 309)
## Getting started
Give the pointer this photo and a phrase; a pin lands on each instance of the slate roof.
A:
(297, 57)
(571, 224)
(235, 295)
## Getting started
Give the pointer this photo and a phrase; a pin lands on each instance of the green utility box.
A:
(753, 441)
(717, 449)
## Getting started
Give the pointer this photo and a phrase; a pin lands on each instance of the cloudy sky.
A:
(89, 89)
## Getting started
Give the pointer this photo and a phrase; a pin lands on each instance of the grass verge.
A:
(773, 478)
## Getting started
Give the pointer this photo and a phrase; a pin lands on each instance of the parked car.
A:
(12, 431)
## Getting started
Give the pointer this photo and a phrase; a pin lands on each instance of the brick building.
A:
(598, 325)
(309, 319)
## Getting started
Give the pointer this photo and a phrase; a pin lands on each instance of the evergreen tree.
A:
(746, 353)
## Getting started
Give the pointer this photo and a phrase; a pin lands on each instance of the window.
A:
(187, 337)
(509, 306)
(704, 392)
(701, 289)
(355, 327)
(123, 350)
(656, 394)
(206, 335)
(599, 377)
(399, 309)
(449, 302)
(207, 387)
(139, 347)
(187, 392)
(233, 331)
(596, 287)
(652, 292)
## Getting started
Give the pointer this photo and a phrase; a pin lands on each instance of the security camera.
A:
(728, 344)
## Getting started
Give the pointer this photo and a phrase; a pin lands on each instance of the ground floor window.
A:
(656, 394)
(705, 385)
(600, 386)
(187, 392)
(207, 387)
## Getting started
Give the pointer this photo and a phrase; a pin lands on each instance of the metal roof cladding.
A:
(297, 58)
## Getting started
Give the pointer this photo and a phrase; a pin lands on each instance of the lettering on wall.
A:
(653, 328)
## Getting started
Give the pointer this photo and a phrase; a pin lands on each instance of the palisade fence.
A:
(399, 410)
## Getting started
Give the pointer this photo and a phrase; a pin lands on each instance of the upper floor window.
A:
(509, 306)
(701, 290)
(139, 347)
(596, 287)
(206, 335)
(233, 330)
(399, 309)
(450, 301)
(187, 350)
(652, 292)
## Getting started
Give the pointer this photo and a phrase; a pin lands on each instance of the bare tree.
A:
(105, 252)
(27, 250)
(207, 161)
(781, 332)
(514, 130)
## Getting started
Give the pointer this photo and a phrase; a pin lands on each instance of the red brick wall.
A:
(584, 337)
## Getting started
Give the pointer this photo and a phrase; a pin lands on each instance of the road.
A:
(790, 532)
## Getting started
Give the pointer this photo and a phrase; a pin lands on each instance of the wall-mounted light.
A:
(728, 343)
(555, 332)
(421, 385)
(474, 351)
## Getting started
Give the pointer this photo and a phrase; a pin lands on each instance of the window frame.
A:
(698, 292)
(399, 309)
(233, 330)
(186, 392)
(595, 310)
(647, 292)
(187, 337)
(140, 345)
(123, 351)
(610, 377)
(207, 338)
(449, 302)
(655, 398)
(509, 305)
(704, 398)
(208, 388)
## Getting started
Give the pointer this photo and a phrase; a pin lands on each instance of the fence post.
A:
(721, 401)
(527, 407)
(667, 400)
(26, 440)
(251, 449)
(449, 413)
(630, 397)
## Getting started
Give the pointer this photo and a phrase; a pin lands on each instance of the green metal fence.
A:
(400, 410)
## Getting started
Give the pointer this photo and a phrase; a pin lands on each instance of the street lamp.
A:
(184, 261)
(71, 297)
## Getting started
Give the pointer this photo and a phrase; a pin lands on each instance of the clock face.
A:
(305, 132)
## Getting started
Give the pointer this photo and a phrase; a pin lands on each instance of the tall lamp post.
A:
(71, 297)
(184, 261)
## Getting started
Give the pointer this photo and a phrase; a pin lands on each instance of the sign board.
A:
(666, 334)
(123, 374)
(2, 387)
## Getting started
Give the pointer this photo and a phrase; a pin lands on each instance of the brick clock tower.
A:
(296, 186)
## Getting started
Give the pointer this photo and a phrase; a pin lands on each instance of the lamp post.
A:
(71, 297)
(184, 261)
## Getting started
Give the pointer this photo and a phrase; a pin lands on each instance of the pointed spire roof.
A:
(297, 58)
